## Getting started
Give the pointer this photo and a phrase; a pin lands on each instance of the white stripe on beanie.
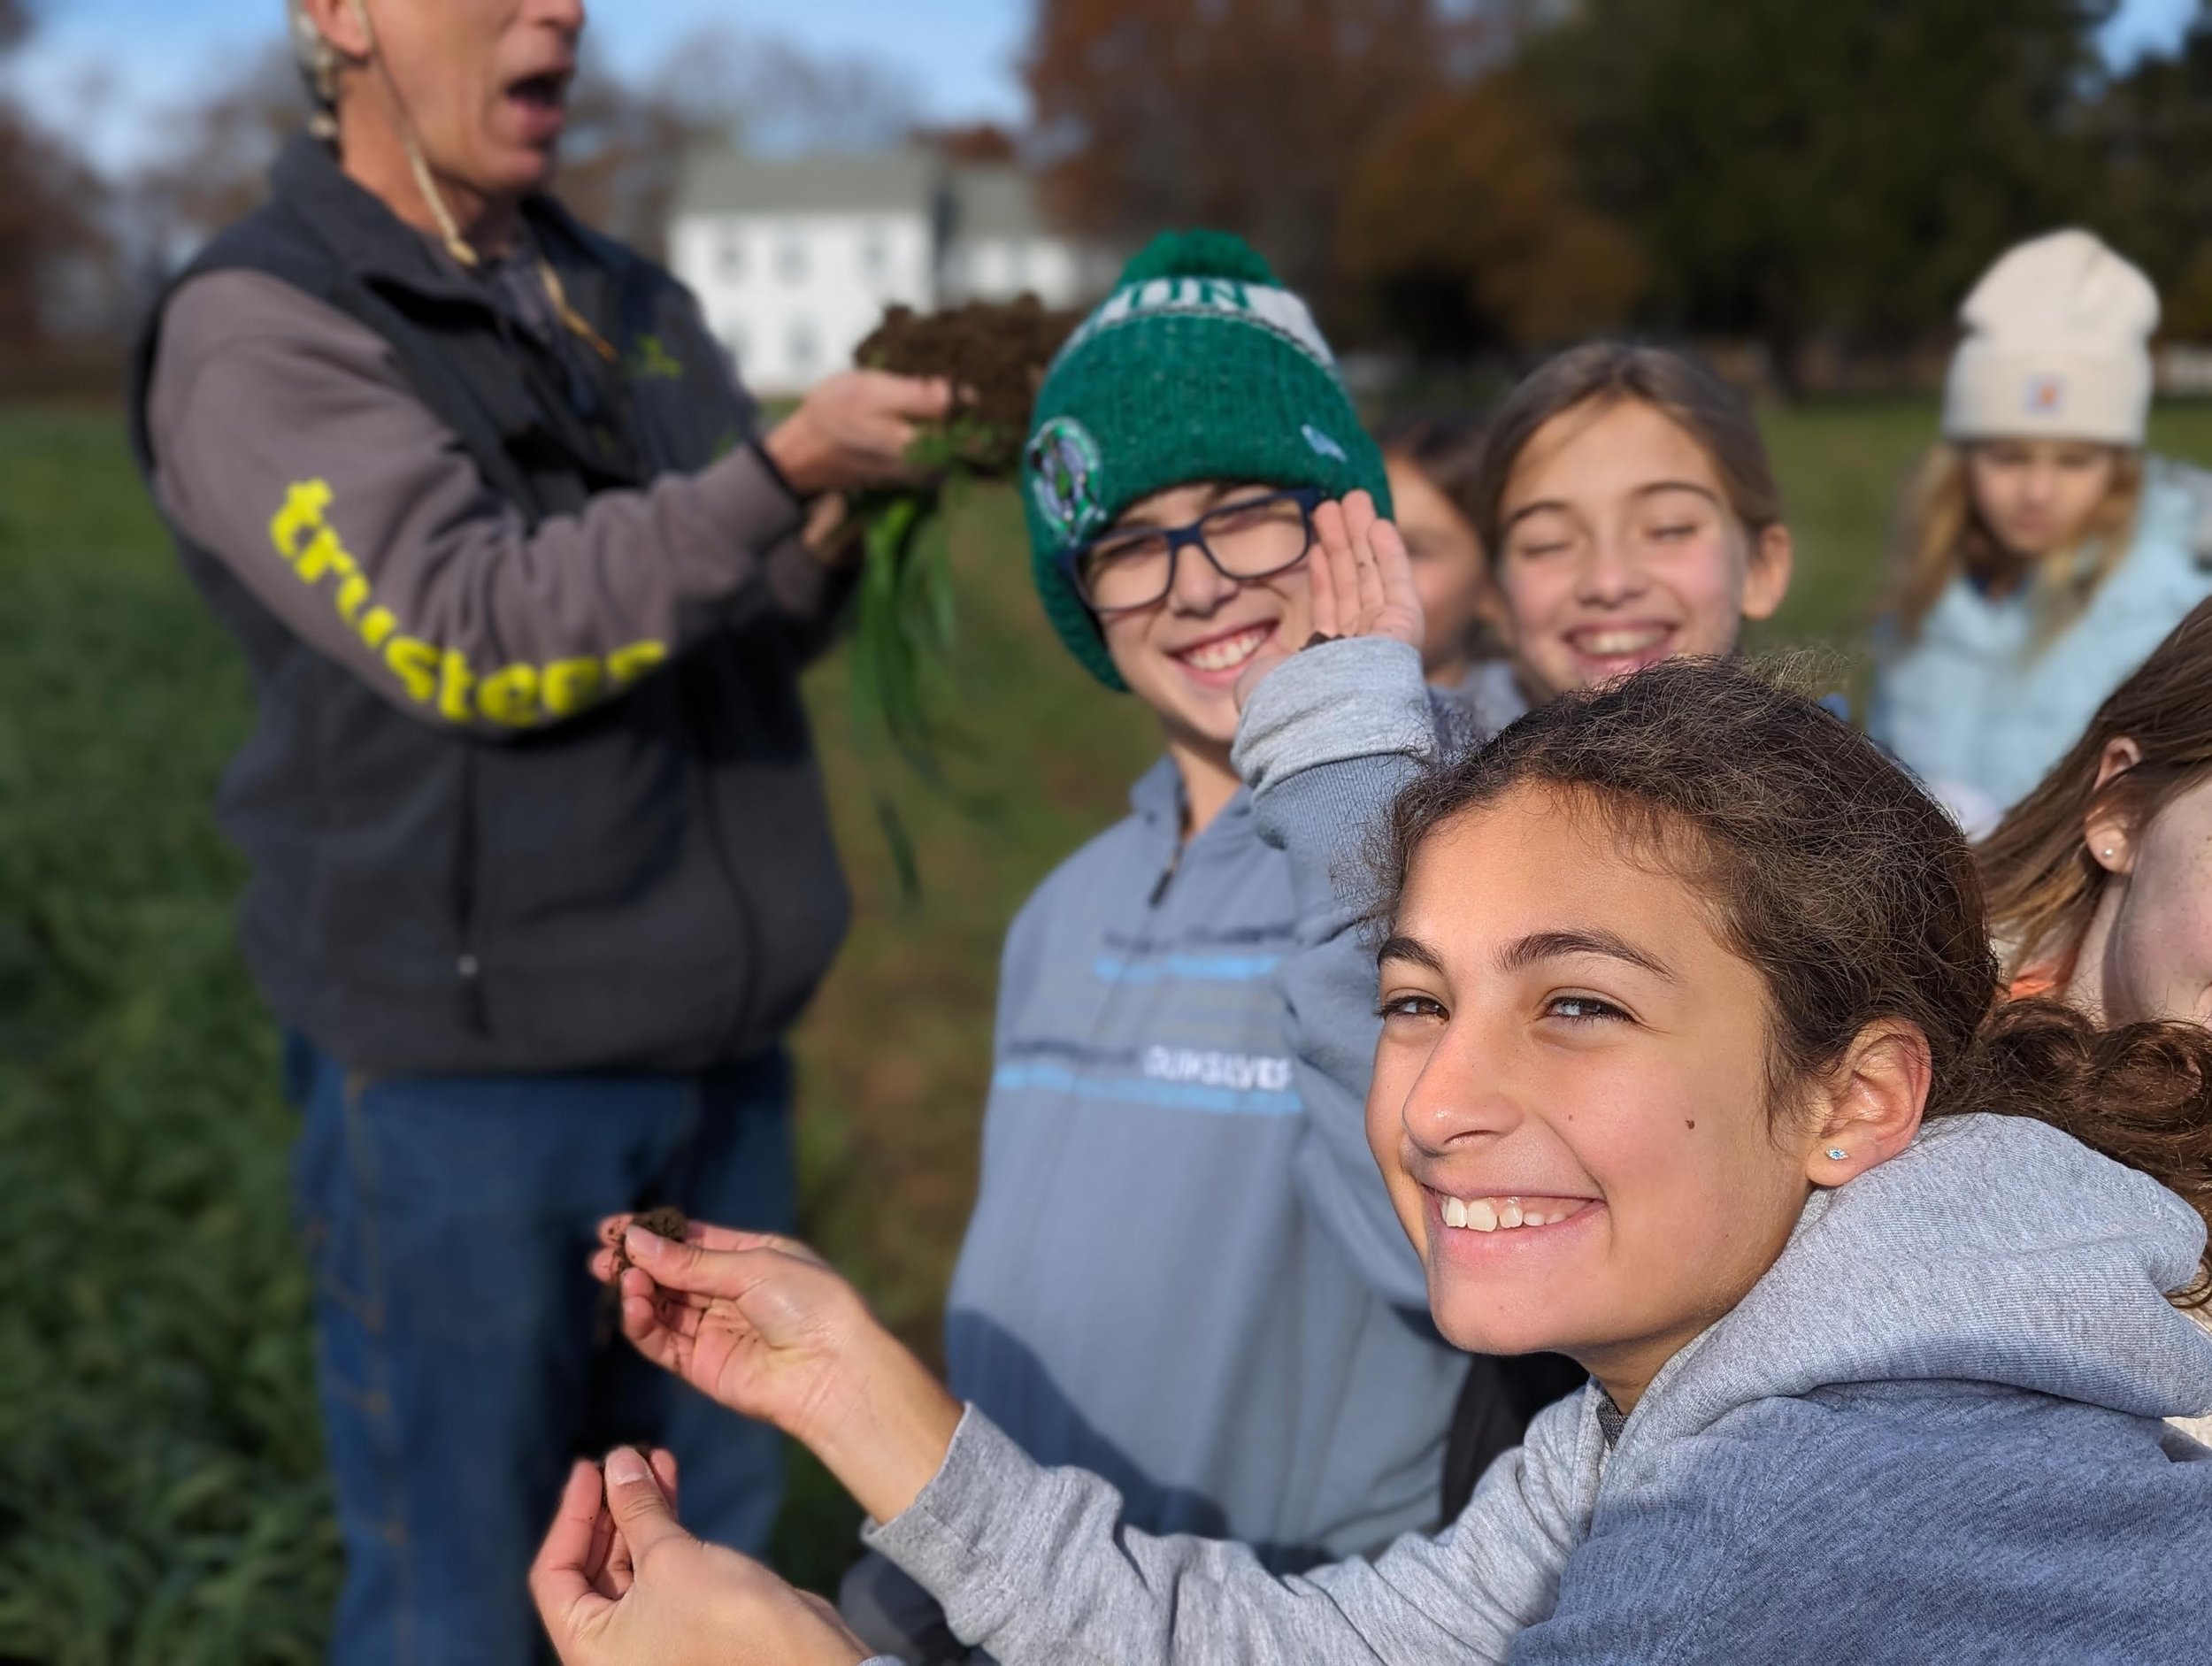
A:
(1229, 299)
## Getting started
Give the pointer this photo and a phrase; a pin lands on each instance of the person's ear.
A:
(1870, 1108)
(2108, 832)
(345, 24)
(1767, 578)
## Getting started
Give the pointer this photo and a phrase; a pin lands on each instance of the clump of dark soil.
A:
(667, 1222)
(994, 353)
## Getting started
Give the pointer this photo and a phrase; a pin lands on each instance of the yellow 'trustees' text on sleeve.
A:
(516, 696)
(291, 447)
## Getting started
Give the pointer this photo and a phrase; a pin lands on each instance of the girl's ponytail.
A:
(2141, 1095)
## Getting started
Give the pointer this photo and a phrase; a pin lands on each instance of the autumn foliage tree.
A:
(1245, 114)
(1459, 225)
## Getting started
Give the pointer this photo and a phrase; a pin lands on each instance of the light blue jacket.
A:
(1972, 699)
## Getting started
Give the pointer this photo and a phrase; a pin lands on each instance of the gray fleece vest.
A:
(651, 885)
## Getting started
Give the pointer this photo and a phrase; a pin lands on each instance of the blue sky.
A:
(105, 70)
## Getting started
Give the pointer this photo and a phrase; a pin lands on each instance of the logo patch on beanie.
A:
(1064, 465)
(2047, 396)
(1322, 444)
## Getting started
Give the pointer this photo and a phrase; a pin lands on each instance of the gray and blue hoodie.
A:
(1176, 1275)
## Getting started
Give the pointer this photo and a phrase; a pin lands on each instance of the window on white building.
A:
(1017, 277)
(801, 348)
(729, 258)
(791, 258)
(875, 254)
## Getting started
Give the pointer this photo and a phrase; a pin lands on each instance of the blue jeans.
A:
(464, 1356)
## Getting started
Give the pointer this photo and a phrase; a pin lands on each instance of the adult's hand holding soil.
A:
(857, 429)
(1359, 583)
(764, 1326)
(619, 1582)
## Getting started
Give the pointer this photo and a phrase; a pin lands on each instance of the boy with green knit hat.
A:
(1174, 1275)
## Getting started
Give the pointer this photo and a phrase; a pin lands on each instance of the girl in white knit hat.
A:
(2044, 553)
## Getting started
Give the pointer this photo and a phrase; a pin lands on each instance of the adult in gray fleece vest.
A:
(540, 868)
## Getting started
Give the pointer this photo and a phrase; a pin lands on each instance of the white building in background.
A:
(793, 260)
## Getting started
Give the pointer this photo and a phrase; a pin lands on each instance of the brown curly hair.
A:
(1852, 893)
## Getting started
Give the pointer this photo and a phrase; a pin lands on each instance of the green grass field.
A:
(161, 1493)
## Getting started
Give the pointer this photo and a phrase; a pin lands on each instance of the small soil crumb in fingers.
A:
(667, 1222)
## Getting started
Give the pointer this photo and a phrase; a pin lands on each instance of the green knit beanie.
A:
(1199, 366)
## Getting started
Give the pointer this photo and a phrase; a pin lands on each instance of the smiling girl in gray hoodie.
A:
(1688, 1069)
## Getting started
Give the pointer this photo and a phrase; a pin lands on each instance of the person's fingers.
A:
(609, 1569)
(1328, 527)
(681, 1316)
(621, 1570)
(641, 1510)
(707, 1235)
(695, 1269)
(723, 1239)
(1359, 525)
(644, 1324)
(1393, 566)
(1334, 545)
(1334, 523)
(921, 399)
(664, 1465)
(1321, 590)
(689, 1268)
(1359, 515)
(562, 1575)
(638, 1282)
(890, 438)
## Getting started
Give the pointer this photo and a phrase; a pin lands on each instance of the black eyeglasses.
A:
(1250, 538)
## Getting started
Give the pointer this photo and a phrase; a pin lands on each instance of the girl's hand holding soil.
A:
(763, 1325)
(1359, 583)
(617, 1582)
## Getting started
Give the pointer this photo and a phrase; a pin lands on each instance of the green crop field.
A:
(161, 1491)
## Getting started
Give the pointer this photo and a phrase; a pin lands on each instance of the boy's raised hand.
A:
(1360, 583)
(764, 1326)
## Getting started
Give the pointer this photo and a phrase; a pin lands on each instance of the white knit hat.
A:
(2057, 347)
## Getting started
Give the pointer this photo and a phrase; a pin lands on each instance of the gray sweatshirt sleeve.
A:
(1034, 1564)
(1325, 744)
(289, 442)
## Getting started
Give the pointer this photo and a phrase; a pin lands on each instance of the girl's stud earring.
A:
(1837, 1154)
